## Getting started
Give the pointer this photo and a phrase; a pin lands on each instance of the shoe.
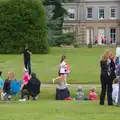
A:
(67, 84)
(22, 100)
(53, 80)
(9, 96)
(35, 99)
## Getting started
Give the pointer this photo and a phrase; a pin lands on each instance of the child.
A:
(117, 55)
(1, 85)
(7, 85)
(79, 94)
(93, 94)
(67, 70)
(26, 77)
(115, 87)
(62, 72)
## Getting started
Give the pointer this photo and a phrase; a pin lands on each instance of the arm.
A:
(112, 65)
(2, 83)
(29, 52)
(103, 65)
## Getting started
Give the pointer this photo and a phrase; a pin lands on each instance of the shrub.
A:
(23, 21)
(64, 39)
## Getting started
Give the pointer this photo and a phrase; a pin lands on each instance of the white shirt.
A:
(115, 92)
(62, 67)
(118, 52)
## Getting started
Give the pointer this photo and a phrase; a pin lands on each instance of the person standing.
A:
(117, 54)
(113, 68)
(1, 85)
(27, 60)
(106, 80)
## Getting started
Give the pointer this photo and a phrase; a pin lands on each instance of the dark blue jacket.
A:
(7, 86)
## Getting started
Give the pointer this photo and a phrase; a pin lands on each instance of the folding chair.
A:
(14, 93)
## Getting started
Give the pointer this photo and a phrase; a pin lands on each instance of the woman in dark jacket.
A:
(113, 68)
(106, 78)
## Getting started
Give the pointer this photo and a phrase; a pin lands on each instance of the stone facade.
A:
(101, 18)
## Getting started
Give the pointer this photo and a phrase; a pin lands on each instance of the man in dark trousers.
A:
(27, 61)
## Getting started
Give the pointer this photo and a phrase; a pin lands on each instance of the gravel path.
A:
(72, 85)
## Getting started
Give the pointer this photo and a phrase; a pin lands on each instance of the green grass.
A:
(48, 109)
(85, 69)
(58, 110)
(84, 63)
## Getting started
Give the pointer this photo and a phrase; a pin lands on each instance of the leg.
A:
(61, 77)
(34, 95)
(65, 78)
(103, 91)
(118, 100)
(109, 93)
(29, 66)
(22, 94)
(25, 63)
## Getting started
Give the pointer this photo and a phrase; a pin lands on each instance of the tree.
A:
(55, 13)
(23, 21)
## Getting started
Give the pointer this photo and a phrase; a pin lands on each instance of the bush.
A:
(23, 21)
(64, 39)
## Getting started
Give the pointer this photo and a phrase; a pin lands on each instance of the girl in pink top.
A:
(93, 94)
(26, 77)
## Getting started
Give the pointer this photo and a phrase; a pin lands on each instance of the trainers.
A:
(9, 96)
(53, 80)
(67, 84)
(22, 100)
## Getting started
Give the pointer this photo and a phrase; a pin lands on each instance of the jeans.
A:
(27, 65)
(106, 85)
(118, 102)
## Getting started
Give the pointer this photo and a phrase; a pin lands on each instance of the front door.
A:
(101, 35)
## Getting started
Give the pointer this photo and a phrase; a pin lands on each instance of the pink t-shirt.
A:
(67, 69)
(26, 78)
(93, 96)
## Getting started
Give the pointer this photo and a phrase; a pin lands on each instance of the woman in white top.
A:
(62, 71)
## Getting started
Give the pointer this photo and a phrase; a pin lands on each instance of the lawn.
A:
(83, 61)
(48, 109)
(58, 110)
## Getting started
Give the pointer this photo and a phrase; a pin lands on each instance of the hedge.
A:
(21, 22)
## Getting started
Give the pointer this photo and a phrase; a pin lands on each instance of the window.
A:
(71, 13)
(113, 13)
(112, 35)
(89, 13)
(101, 13)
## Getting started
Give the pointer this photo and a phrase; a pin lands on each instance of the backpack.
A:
(80, 94)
